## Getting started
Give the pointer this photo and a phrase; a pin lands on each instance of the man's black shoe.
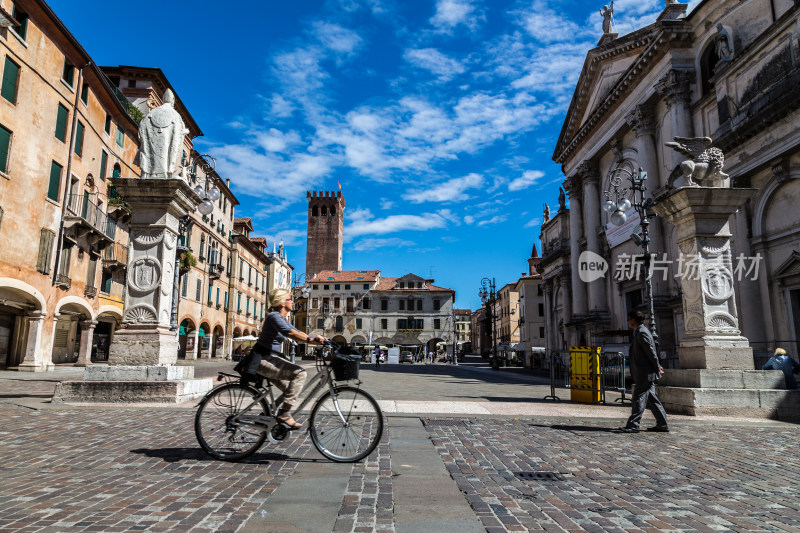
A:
(629, 430)
(659, 429)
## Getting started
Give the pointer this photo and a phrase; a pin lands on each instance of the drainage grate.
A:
(539, 476)
(442, 422)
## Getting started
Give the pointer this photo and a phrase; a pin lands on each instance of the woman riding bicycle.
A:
(267, 360)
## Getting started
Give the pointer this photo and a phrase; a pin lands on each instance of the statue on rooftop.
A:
(608, 18)
(723, 46)
(562, 199)
(546, 215)
(161, 135)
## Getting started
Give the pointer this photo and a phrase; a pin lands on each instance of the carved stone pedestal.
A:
(716, 374)
(142, 356)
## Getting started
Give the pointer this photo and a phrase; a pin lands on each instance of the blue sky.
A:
(438, 117)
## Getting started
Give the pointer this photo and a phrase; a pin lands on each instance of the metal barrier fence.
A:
(586, 376)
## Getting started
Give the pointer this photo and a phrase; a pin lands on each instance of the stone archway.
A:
(22, 312)
(73, 330)
(109, 318)
(218, 344)
(204, 339)
(187, 339)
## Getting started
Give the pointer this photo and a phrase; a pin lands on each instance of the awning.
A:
(201, 333)
(181, 331)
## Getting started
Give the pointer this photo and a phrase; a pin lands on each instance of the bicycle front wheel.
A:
(347, 425)
(218, 434)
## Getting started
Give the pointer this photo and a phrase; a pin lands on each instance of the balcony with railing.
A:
(84, 220)
(117, 206)
(115, 257)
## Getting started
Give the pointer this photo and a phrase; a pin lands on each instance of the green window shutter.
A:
(5, 148)
(120, 138)
(61, 123)
(79, 139)
(226, 298)
(69, 73)
(103, 164)
(217, 295)
(185, 285)
(55, 181)
(91, 272)
(45, 251)
(197, 293)
(115, 173)
(22, 18)
(10, 77)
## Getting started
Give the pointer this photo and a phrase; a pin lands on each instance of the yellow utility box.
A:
(584, 380)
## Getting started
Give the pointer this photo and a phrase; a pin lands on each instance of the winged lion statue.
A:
(705, 165)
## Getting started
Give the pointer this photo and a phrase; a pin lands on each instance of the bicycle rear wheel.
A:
(346, 426)
(216, 432)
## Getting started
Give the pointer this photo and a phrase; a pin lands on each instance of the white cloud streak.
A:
(528, 178)
(434, 61)
(453, 190)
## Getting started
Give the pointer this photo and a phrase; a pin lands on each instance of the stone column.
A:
(642, 121)
(591, 215)
(575, 235)
(145, 337)
(549, 316)
(713, 338)
(35, 360)
(673, 87)
(567, 307)
(85, 348)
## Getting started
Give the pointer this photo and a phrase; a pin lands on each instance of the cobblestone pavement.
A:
(136, 470)
(696, 478)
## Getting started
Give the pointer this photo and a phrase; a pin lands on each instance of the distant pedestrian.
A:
(377, 357)
(645, 371)
(782, 361)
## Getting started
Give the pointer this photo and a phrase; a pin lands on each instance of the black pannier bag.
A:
(345, 364)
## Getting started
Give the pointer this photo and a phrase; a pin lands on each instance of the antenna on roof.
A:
(431, 272)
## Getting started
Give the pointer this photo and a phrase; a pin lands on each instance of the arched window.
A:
(339, 324)
(708, 62)
(324, 211)
(314, 211)
(117, 170)
(333, 211)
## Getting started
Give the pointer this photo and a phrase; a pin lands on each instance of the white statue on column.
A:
(608, 18)
(161, 134)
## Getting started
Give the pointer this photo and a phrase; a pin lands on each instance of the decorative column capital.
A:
(673, 87)
(589, 172)
(89, 324)
(36, 315)
(641, 120)
(572, 186)
(781, 170)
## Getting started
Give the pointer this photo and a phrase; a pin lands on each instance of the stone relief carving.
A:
(705, 164)
(166, 284)
(148, 237)
(141, 314)
(718, 283)
(722, 323)
(144, 274)
(715, 250)
(170, 240)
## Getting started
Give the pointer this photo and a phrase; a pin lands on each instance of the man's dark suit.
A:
(645, 372)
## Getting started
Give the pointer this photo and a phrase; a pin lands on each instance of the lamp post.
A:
(488, 295)
(617, 204)
(208, 191)
(298, 284)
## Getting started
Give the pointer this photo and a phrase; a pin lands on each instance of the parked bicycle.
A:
(234, 419)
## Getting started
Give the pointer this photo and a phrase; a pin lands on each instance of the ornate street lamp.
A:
(208, 191)
(298, 286)
(617, 204)
(488, 295)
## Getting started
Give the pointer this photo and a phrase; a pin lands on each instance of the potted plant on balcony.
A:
(188, 260)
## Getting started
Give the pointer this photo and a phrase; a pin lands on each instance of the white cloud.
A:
(528, 178)
(469, 219)
(386, 203)
(275, 140)
(337, 38)
(362, 222)
(372, 244)
(434, 61)
(453, 190)
(547, 26)
(451, 13)
(533, 222)
(280, 107)
(494, 220)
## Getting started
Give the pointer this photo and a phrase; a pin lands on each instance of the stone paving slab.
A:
(720, 478)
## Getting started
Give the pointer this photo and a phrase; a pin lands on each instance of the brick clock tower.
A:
(325, 228)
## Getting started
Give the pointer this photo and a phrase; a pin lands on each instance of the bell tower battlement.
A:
(325, 231)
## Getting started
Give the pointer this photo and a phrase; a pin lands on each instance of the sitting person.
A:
(266, 359)
(781, 361)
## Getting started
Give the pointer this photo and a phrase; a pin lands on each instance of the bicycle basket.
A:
(345, 364)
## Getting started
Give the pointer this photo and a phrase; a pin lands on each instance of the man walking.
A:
(645, 371)
(377, 357)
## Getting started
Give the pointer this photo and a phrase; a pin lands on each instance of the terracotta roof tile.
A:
(345, 275)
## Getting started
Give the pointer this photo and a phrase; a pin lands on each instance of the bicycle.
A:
(234, 419)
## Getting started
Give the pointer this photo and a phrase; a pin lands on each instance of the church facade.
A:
(728, 71)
